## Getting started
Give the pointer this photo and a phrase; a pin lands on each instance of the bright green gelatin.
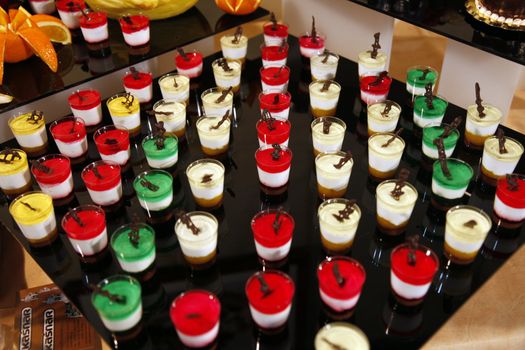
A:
(126, 250)
(434, 132)
(461, 174)
(414, 75)
(129, 290)
(422, 110)
(151, 150)
(161, 179)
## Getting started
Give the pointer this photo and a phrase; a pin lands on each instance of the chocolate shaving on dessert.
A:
(193, 315)
(326, 126)
(75, 217)
(223, 63)
(326, 85)
(449, 128)
(79, 96)
(41, 167)
(267, 117)
(72, 130)
(276, 225)
(128, 100)
(402, 179)
(181, 52)
(35, 117)
(282, 46)
(153, 112)
(97, 173)
(276, 153)
(388, 107)
(375, 45)
(424, 75)
(206, 178)
(333, 345)
(121, 299)
(110, 141)
(480, 107)
(412, 247)
(345, 213)
(379, 78)
(314, 31)
(9, 152)
(186, 220)
(392, 139)
(429, 96)
(159, 134)
(128, 20)
(264, 287)
(442, 157)
(166, 103)
(223, 95)
(174, 84)
(343, 160)
(278, 73)
(237, 36)
(501, 141)
(275, 99)
(28, 206)
(273, 19)
(224, 118)
(149, 185)
(134, 73)
(470, 224)
(512, 182)
(337, 274)
(134, 236)
(326, 54)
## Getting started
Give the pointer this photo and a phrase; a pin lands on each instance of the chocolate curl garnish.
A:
(223, 95)
(344, 214)
(224, 118)
(442, 157)
(193, 315)
(41, 167)
(149, 185)
(72, 130)
(283, 44)
(153, 112)
(267, 117)
(237, 36)
(402, 178)
(97, 173)
(75, 217)
(79, 96)
(326, 85)
(181, 52)
(276, 154)
(512, 182)
(174, 84)
(223, 63)
(326, 54)
(110, 141)
(128, 100)
(470, 224)
(159, 135)
(412, 247)
(429, 97)
(264, 287)
(388, 107)
(9, 152)
(115, 298)
(206, 178)
(314, 31)
(424, 75)
(128, 20)
(343, 160)
(276, 225)
(333, 345)
(449, 128)
(134, 73)
(501, 140)
(28, 206)
(134, 236)
(275, 99)
(35, 117)
(326, 126)
(278, 73)
(375, 45)
(337, 274)
(273, 20)
(480, 107)
(186, 220)
(379, 78)
(391, 139)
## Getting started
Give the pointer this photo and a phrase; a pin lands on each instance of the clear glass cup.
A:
(70, 137)
(393, 212)
(337, 236)
(15, 177)
(331, 140)
(175, 87)
(85, 227)
(164, 157)
(226, 78)
(134, 256)
(212, 107)
(154, 190)
(58, 180)
(324, 66)
(199, 249)
(448, 192)
(113, 144)
(214, 141)
(29, 129)
(124, 110)
(105, 189)
(379, 120)
(383, 161)
(494, 164)
(206, 178)
(332, 182)
(323, 103)
(509, 202)
(340, 333)
(418, 77)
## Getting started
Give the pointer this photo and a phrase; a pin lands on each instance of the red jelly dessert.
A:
(277, 103)
(196, 317)
(272, 230)
(139, 85)
(375, 88)
(85, 104)
(85, 227)
(509, 203)
(70, 12)
(135, 30)
(341, 280)
(70, 136)
(275, 79)
(189, 64)
(275, 33)
(270, 294)
(113, 144)
(274, 56)
(103, 182)
(273, 166)
(311, 44)
(411, 278)
(271, 131)
(94, 26)
(53, 175)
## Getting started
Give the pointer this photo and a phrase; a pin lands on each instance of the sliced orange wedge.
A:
(20, 18)
(2, 52)
(41, 46)
(4, 18)
(54, 28)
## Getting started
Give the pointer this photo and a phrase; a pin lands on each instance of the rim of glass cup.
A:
(281, 104)
(171, 101)
(156, 171)
(211, 295)
(457, 160)
(206, 160)
(120, 94)
(441, 125)
(472, 208)
(119, 231)
(271, 165)
(332, 54)
(282, 68)
(423, 67)
(97, 163)
(151, 136)
(507, 139)
(285, 47)
(321, 82)
(115, 278)
(332, 119)
(482, 121)
(354, 328)
(44, 212)
(174, 74)
(195, 213)
(269, 211)
(380, 117)
(353, 261)
(37, 126)
(188, 52)
(277, 272)
(284, 132)
(377, 134)
(407, 184)
(63, 120)
(426, 250)
(339, 153)
(433, 98)
(217, 89)
(207, 131)
(123, 22)
(83, 207)
(278, 22)
(309, 34)
(77, 91)
(105, 129)
(215, 64)
(340, 201)
(46, 157)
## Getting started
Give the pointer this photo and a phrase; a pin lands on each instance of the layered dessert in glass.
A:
(113, 144)
(118, 302)
(395, 202)
(340, 335)
(501, 155)
(86, 104)
(234, 46)
(189, 64)
(273, 168)
(217, 102)
(274, 32)
(175, 87)
(341, 280)
(274, 56)
(134, 247)
(277, 103)
(34, 214)
(173, 115)
(328, 134)
(227, 74)
(448, 133)
(482, 121)
(197, 233)
(375, 88)
(382, 117)
(275, 79)
(94, 27)
(385, 151)
(124, 110)
(29, 130)
(15, 178)
(214, 134)
(69, 134)
(465, 231)
(450, 179)
(272, 131)
(43, 6)
(270, 294)
(429, 110)
(509, 202)
(324, 95)
(333, 172)
(418, 77)
(53, 175)
(372, 62)
(135, 30)
(154, 190)
(70, 12)
(206, 178)
(311, 43)
(196, 316)
(103, 182)
(338, 222)
(324, 65)
(138, 84)
(272, 232)
(162, 152)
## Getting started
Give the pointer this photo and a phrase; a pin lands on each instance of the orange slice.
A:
(4, 18)
(20, 18)
(16, 49)
(2, 52)
(41, 45)
(54, 28)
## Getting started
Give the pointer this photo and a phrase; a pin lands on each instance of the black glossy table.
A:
(387, 324)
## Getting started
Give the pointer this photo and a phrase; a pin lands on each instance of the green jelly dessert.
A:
(423, 115)
(154, 189)
(461, 174)
(161, 156)
(414, 76)
(118, 315)
(134, 247)
(432, 133)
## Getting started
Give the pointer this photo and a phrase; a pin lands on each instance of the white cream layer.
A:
(270, 40)
(273, 180)
(339, 304)
(143, 95)
(202, 244)
(199, 341)
(107, 197)
(73, 149)
(125, 323)
(433, 153)
(193, 72)
(36, 139)
(95, 35)
(92, 116)
(310, 52)
(45, 7)
(407, 290)
(137, 265)
(15, 181)
(165, 163)
(422, 122)
(120, 157)
(282, 115)
(58, 190)
(370, 98)
(270, 321)
(383, 163)
(274, 63)
(129, 122)
(273, 253)
(137, 38)
(70, 19)
(92, 246)
(280, 88)
(156, 205)
(39, 230)
(508, 212)
(447, 193)
(416, 91)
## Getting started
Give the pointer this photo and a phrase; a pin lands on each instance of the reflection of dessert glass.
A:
(384, 154)
(35, 216)
(448, 191)
(412, 271)
(173, 115)
(134, 247)
(196, 315)
(432, 133)
(324, 66)
(371, 66)
(328, 134)
(125, 112)
(311, 44)
(270, 295)
(338, 222)
(30, 132)
(333, 174)
(119, 302)
(394, 206)
(273, 168)
(113, 144)
(53, 175)
(175, 87)
(103, 182)
(161, 155)
(85, 227)
(234, 47)
(70, 12)
(272, 231)
(274, 56)
(15, 178)
(85, 104)
(375, 88)
(217, 102)
(139, 85)
(227, 74)
(382, 117)
(341, 280)
(465, 231)
(498, 162)
(509, 203)
(214, 134)
(69, 134)
(94, 27)
(324, 95)
(154, 190)
(342, 335)
(275, 79)
(426, 113)
(189, 64)
(275, 33)
(135, 30)
(206, 178)
(277, 103)
(478, 129)
(43, 6)
(274, 131)
(197, 233)
(418, 77)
